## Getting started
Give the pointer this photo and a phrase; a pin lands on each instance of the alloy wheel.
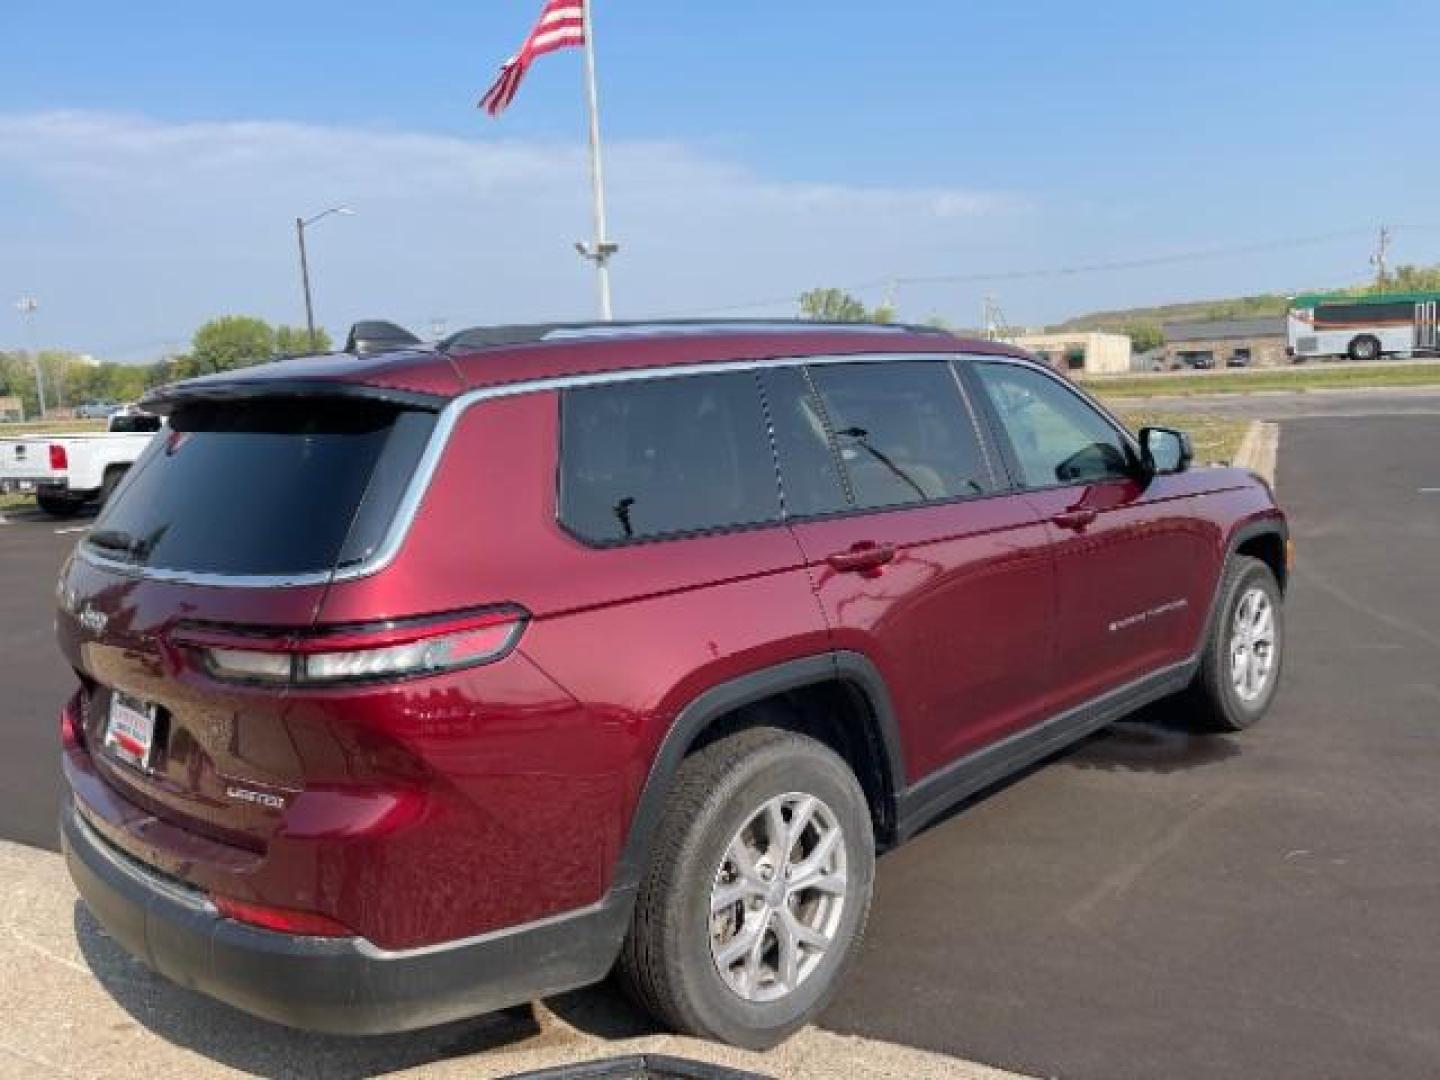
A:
(777, 897)
(1252, 645)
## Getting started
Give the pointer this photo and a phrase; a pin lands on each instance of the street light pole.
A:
(27, 306)
(301, 224)
(305, 282)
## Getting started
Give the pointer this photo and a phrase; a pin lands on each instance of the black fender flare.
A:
(842, 665)
(1265, 526)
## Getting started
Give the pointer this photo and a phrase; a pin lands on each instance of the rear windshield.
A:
(265, 487)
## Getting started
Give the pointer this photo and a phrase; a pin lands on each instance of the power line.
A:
(1141, 263)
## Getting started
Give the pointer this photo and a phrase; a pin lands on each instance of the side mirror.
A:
(1165, 450)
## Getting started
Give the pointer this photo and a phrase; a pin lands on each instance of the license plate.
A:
(130, 730)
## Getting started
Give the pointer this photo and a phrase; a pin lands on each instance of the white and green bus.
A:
(1363, 327)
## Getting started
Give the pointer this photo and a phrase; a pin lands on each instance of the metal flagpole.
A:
(600, 251)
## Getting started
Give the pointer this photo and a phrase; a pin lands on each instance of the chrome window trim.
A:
(604, 333)
(409, 506)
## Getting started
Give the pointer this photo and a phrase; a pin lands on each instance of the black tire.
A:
(56, 505)
(667, 961)
(113, 476)
(1215, 703)
(1364, 349)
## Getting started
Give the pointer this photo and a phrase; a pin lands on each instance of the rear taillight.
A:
(71, 726)
(282, 920)
(59, 459)
(354, 654)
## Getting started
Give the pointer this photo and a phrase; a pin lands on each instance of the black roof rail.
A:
(489, 337)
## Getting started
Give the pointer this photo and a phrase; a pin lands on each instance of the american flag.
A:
(561, 26)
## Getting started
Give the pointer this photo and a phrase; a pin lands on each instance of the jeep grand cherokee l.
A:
(416, 685)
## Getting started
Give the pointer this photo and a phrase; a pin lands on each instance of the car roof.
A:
(495, 355)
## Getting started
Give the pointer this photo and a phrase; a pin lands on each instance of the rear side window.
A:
(265, 487)
(809, 465)
(665, 456)
(904, 432)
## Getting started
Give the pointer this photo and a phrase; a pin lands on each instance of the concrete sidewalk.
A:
(77, 1006)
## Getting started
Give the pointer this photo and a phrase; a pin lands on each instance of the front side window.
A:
(1058, 438)
(665, 456)
(904, 432)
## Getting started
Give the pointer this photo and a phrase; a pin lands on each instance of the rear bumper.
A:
(338, 985)
(36, 480)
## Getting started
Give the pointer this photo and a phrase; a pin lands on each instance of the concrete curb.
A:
(76, 1005)
(1259, 449)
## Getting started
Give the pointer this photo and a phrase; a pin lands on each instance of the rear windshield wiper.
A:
(118, 540)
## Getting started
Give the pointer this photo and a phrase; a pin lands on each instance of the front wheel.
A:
(758, 890)
(1240, 666)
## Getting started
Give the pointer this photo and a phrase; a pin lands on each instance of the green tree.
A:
(832, 305)
(1414, 279)
(233, 341)
(17, 378)
(295, 341)
(1144, 336)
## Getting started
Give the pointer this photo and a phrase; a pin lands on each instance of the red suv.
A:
(417, 685)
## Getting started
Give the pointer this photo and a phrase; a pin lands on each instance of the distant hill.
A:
(1239, 307)
(1402, 279)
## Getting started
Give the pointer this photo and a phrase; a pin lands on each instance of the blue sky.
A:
(153, 157)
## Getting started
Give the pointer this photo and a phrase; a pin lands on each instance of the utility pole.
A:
(990, 318)
(603, 248)
(1380, 259)
(890, 302)
(27, 306)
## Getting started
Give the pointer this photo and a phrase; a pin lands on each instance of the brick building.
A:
(1225, 343)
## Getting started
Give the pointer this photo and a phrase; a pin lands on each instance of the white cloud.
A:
(132, 230)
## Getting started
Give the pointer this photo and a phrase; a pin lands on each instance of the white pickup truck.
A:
(68, 471)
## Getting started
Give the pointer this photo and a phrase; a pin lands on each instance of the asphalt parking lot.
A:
(1151, 903)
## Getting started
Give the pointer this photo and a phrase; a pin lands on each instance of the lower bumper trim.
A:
(335, 985)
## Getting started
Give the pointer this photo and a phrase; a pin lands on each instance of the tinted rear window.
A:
(666, 456)
(265, 487)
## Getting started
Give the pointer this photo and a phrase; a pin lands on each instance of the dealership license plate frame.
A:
(130, 730)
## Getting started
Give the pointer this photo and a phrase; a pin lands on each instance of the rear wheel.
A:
(1240, 666)
(57, 504)
(757, 893)
(1364, 348)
